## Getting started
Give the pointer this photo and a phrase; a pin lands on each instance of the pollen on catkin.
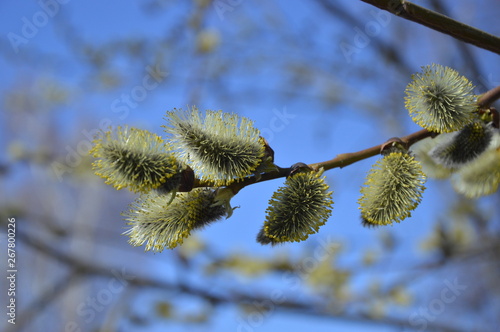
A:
(480, 177)
(134, 158)
(298, 209)
(440, 100)
(159, 224)
(393, 188)
(220, 147)
(463, 146)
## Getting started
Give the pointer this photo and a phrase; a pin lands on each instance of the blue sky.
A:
(300, 129)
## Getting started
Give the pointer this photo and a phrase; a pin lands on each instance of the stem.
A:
(346, 159)
(439, 23)
(340, 161)
(489, 97)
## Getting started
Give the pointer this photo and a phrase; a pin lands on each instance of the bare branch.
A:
(345, 159)
(489, 97)
(439, 23)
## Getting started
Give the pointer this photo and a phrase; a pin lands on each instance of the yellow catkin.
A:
(393, 188)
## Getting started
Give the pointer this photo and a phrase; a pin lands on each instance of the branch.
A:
(260, 300)
(489, 97)
(345, 159)
(439, 23)
(340, 161)
(464, 49)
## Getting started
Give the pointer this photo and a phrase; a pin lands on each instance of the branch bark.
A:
(439, 22)
(342, 160)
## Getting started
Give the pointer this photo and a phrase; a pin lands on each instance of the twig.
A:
(464, 49)
(345, 159)
(439, 23)
(489, 97)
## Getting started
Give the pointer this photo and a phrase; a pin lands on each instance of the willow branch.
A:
(345, 159)
(439, 22)
(489, 97)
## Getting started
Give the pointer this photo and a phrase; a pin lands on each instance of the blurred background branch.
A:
(319, 79)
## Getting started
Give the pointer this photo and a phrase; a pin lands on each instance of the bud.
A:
(134, 158)
(159, 223)
(481, 176)
(207, 41)
(297, 209)
(461, 147)
(221, 148)
(393, 188)
(440, 100)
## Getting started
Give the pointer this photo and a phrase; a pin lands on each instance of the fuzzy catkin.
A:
(159, 224)
(134, 158)
(298, 209)
(393, 188)
(440, 100)
(220, 147)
